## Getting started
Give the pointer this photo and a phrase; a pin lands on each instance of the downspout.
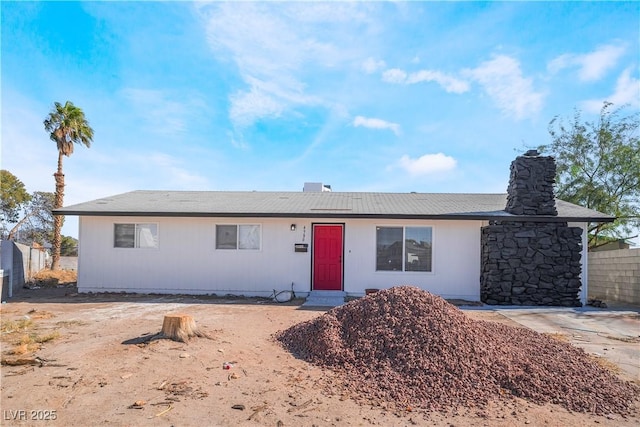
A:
(584, 292)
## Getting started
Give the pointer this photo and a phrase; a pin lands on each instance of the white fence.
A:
(614, 276)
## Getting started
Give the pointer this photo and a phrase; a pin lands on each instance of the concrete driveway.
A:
(608, 333)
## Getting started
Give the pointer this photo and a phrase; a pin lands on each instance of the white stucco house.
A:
(250, 243)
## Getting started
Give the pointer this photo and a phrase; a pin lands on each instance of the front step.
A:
(325, 299)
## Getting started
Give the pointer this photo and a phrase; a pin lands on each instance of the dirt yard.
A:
(80, 369)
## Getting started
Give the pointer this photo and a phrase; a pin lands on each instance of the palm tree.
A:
(67, 126)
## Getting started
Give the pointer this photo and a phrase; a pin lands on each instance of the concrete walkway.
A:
(609, 333)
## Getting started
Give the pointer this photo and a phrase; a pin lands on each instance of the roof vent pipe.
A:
(315, 187)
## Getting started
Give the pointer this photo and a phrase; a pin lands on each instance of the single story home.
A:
(250, 243)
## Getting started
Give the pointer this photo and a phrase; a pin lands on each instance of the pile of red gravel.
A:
(407, 347)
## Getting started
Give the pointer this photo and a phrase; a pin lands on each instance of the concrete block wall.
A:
(614, 276)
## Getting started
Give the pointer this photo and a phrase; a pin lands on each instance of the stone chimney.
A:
(530, 190)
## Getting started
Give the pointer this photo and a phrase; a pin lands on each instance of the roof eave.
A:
(452, 216)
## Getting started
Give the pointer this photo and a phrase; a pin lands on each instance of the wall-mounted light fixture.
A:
(293, 227)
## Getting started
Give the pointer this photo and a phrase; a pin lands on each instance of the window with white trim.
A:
(135, 235)
(238, 236)
(404, 248)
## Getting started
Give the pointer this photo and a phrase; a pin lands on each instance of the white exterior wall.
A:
(455, 264)
(186, 260)
(584, 275)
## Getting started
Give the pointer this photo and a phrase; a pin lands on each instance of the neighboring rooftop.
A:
(319, 205)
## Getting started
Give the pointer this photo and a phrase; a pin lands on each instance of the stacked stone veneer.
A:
(530, 263)
(530, 190)
(535, 260)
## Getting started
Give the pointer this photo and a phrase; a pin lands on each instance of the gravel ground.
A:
(407, 346)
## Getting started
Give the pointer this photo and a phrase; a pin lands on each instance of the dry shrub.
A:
(22, 349)
(606, 364)
(9, 326)
(52, 278)
(35, 340)
(41, 339)
(20, 334)
(35, 314)
(69, 323)
(559, 336)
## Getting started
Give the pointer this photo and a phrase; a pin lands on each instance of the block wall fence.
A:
(614, 276)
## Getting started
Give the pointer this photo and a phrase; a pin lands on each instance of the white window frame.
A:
(403, 255)
(238, 242)
(137, 229)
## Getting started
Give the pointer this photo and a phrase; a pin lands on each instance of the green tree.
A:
(37, 223)
(67, 126)
(13, 197)
(598, 167)
(69, 246)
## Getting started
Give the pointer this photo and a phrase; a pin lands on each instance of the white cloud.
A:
(591, 66)
(394, 75)
(247, 107)
(161, 113)
(370, 65)
(168, 171)
(449, 83)
(427, 164)
(502, 79)
(627, 91)
(274, 47)
(372, 123)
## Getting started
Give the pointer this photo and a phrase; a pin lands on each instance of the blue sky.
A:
(370, 96)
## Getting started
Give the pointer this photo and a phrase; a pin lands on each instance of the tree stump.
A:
(180, 327)
(176, 327)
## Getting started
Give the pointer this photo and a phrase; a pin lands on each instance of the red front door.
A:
(327, 257)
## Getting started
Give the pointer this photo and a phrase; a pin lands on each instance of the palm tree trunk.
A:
(58, 219)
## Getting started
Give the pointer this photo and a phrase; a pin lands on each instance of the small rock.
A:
(238, 407)
(184, 355)
(127, 375)
(138, 404)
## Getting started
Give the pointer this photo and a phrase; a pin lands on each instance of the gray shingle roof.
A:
(317, 205)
